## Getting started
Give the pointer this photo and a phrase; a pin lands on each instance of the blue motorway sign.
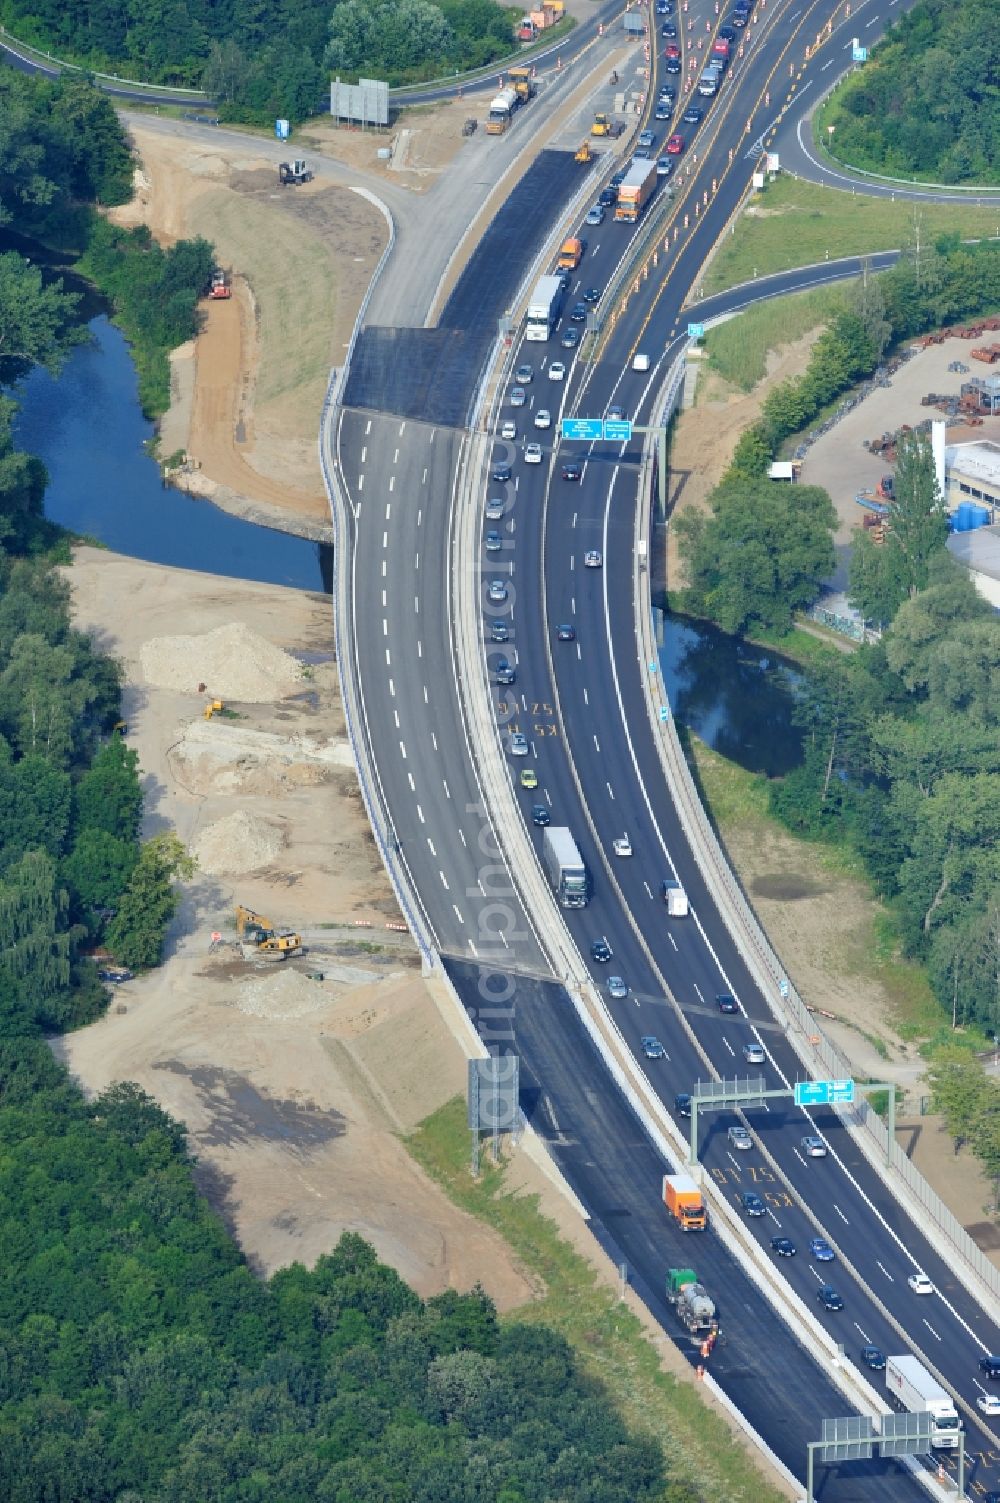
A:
(696, 331)
(859, 54)
(583, 430)
(617, 430)
(823, 1092)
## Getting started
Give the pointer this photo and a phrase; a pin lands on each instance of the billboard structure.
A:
(363, 103)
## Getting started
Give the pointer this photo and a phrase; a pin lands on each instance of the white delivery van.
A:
(640, 362)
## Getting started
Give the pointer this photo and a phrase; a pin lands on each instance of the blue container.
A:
(979, 516)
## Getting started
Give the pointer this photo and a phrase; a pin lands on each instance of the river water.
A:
(88, 428)
(736, 697)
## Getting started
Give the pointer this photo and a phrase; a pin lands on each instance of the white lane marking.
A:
(827, 65)
(361, 482)
(799, 1157)
(385, 567)
(586, 697)
(455, 911)
(885, 1271)
(419, 515)
(572, 604)
(385, 540)
(388, 657)
(402, 747)
(430, 845)
(444, 881)
(392, 483)
(729, 1046)
(416, 605)
(416, 562)
(472, 947)
(395, 457)
(548, 797)
(817, 1275)
(426, 700)
(388, 510)
(597, 744)
(368, 427)
(672, 940)
(385, 600)
(773, 1217)
(424, 480)
(574, 519)
(395, 715)
(608, 786)
(392, 689)
(699, 991)
(434, 741)
(420, 649)
(447, 794)
(648, 888)
(579, 654)
(420, 815)
(461, 836)
(385, 627)
(863, 1334)
(841, 1214)
(413, 786)
(364, 452)
(932, 1330)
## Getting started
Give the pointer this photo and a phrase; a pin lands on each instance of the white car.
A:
(518, 745)
(920, 1283)
(497, 591)
(754, 1054)
(557, 371)
(543, 418)
(532, 453)
(508, 429)
(813, 1147)
(517, 397)
(622, 846)
(592, 559)
(989, 1403)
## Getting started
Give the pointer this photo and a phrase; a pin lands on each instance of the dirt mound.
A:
(287, 994)
(239, 843)
(233, 661)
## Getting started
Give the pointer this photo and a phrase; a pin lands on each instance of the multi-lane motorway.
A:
(582, 705)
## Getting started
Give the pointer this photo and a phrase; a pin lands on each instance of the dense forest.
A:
(262, 61)
(927, 103)
(140, 1360)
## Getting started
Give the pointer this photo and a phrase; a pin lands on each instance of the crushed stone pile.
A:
(233, 661)
(239, 843)
(286, 994)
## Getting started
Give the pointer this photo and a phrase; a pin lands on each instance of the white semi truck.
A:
(543, 309)
(911, 1387)
(564, 864)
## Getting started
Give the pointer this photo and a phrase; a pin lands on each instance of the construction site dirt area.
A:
(246, 397)
(295, 1077)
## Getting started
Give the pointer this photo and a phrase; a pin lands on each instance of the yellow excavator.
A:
(254, 929)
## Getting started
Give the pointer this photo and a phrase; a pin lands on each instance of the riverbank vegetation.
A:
(260, 63)
(925, 104)
(67, 156)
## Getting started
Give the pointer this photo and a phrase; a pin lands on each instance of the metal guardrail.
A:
(29, 54)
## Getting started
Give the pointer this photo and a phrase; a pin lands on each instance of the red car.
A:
(675, 146)
(671, 50)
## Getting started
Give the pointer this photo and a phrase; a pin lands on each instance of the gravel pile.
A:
(233, 661)
(238, 843)
(286, 994)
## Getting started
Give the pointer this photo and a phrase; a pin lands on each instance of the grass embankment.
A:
(609, 1340)
(794, 223)
(738, 349)
(867, 952)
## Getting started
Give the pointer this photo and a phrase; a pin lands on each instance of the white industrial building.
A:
(979, 551)
(972, 474)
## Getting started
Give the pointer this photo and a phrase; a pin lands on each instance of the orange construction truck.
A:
(682, 1199)
(571, 254)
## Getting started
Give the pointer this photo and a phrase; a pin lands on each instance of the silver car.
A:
(617, 988)
(517, 397)
(739, 1139)
(813, 1147)
(518, 744)
(498, 591)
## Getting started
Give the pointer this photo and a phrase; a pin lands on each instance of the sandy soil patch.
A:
(294, 1089)
(707, 433)
(248, 413)
(423, 141)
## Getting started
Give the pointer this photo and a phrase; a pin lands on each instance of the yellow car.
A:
(529, 777)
